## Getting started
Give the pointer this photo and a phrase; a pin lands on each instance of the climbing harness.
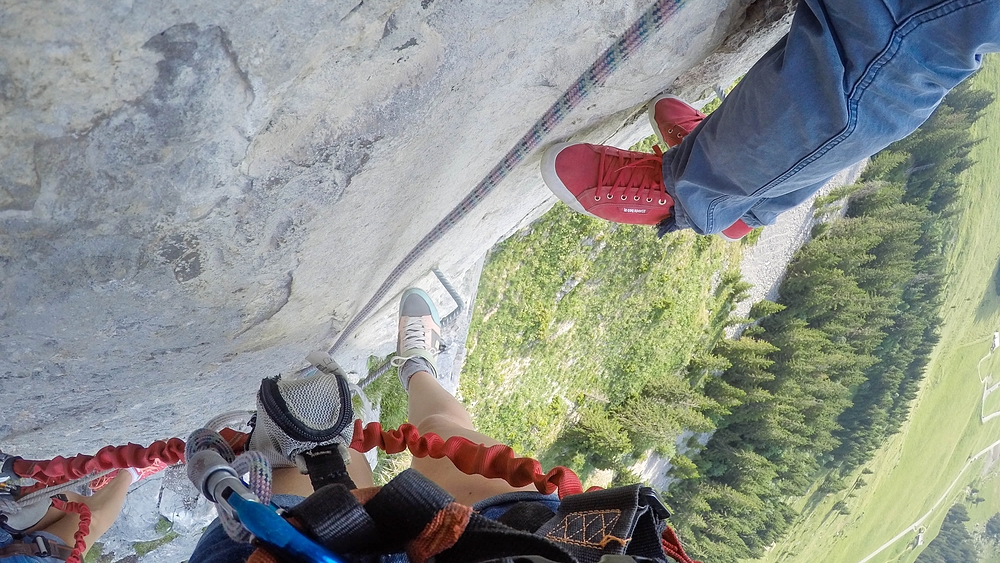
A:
(592, 78)
(587, 525)
(411, 514)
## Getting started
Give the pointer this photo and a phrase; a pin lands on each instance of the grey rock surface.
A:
(167, 495)
(182, 505)
(195, 195)
(138, 518)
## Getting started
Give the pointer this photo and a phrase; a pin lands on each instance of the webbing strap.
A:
(41, 547)
(334, 516)
(326, 466)
(527, 516)
(404, 507)
(486, 540)
(414, 515)
(591, 79)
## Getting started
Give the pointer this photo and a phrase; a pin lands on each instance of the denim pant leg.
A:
(851, 77)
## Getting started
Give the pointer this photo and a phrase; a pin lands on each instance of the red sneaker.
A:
(672, 119)
(736, 231)
(608, 183)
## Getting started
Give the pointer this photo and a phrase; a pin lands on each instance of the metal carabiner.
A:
(9, 481)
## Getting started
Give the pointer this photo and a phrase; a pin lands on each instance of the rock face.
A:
(165, 496)
(194, 195)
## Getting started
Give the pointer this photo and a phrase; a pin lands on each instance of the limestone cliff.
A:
(194, 195)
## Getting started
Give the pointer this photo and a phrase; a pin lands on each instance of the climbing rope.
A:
(591, 79)
(498, 461)
(468, 456)
(251, 463)
(43, 492)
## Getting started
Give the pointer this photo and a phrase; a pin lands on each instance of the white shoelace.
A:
(414, 337)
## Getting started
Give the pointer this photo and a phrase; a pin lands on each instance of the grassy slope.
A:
(916, 466)
(560, 315)
(989, 489)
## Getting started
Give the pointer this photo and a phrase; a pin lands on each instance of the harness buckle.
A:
(42, 543)
(10, 482)
(653, 501)
(9, 488)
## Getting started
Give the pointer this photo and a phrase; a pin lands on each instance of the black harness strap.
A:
(620, 521)
(397, 515)
(485, 540)
(526, 516)
(326, 466)
(404, 507)
(625, 522)
(334, 516)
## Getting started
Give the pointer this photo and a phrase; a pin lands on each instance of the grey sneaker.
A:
(419, 336)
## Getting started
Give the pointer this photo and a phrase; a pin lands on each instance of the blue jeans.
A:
(851, 77)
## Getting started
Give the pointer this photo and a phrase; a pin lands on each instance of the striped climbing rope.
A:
(594, 77)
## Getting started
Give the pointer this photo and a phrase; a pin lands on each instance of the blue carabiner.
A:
(274, 531)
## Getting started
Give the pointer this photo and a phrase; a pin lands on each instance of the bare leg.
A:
(104, 507)
(360, 471)
(288, 481)
(432, 409)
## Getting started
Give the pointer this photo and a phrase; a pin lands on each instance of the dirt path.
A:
(913, 527)
(987, 388)
(992, 449)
